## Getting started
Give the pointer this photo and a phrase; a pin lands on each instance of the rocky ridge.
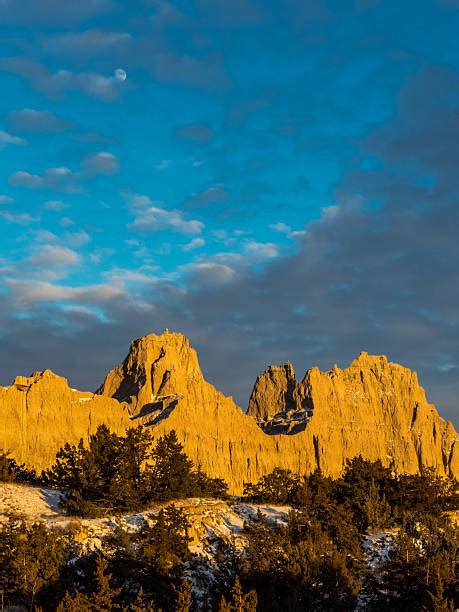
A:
(374, 408)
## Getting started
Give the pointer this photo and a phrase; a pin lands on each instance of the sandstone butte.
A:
(373, 408)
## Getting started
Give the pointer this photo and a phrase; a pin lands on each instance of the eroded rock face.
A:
(373, 408)
(278, 402)
(39, 413)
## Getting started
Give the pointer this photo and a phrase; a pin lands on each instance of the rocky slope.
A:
(373, 408)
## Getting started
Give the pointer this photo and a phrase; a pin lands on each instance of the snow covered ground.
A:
(377, 547)
(209, 519)
(210, 522)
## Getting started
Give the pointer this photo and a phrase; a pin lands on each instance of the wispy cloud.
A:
(163, 164)
(206, 274)
(6, 138)
(260, 251)
(149, 217)
(57, 84)
(51, 12)
(63, 179)
(55, 205)
(33, 291)
(55, 179)
(18, 218)
(54, 255)
(217, 194)
(195, 132)
(101, 163)
(87, 43)
(31, 120)
(196, 243)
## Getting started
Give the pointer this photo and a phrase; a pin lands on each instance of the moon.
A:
(120, 74)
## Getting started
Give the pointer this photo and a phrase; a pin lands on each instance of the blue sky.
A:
(276, 180)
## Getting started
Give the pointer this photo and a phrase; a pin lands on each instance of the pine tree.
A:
(204, 486)
(128, 487)
(142, 603)
(11, 471)
(78, 603)
(100, 464)
(67, 471)
(104, 596)
(241, 602)
(224, 606)
(170, 473)
(34, 557)
(375, 508)
(278, 487)
(164, 545)
(440, 602)
(184, 598)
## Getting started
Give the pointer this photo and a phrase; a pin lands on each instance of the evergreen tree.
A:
(376, 509)
(67, 471)
(164, 545)
(128, 488)
(184, 597)
(422, 565)
(104, 597)
(224, 606)
(142, 603)
(203, 486)
(33, 559)
(241, 602)
(170, 474)
(11, 471)
(99, 464)
(78, 603)
(278, 487)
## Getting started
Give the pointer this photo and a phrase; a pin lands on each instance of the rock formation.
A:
(278, 403)
(38, 414)
(373, 408)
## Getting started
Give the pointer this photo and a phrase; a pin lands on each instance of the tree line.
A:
(316, 561)
(119, 473)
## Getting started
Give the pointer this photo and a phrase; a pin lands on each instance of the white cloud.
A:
(282, 228)
(64, 179)
(260, 251)
(101, 163)
(86, 43)
(33, 291)
(18, 218)
(44, 236)
(163, 164)
(56, 84)
(196, 243)
(31, 120)
(122, 276)
(77, 239)
(50, 255)
(58, 179)
(4, 199)
(149, 217)
(55, 205)
(6, 138)
(210, 273)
